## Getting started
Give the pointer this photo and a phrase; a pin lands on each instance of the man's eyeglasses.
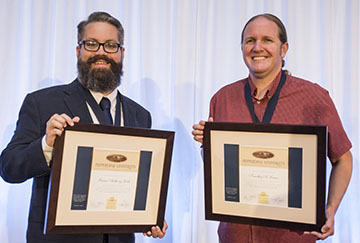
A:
(92, 45)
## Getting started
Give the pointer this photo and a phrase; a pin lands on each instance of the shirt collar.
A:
(271, 90)
(98, 96)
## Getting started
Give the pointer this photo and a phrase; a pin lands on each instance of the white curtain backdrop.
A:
(178, 54)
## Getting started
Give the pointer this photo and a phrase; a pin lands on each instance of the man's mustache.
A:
(100, 57)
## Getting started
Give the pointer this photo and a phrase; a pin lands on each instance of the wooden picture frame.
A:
(265, 174)
(108, 179)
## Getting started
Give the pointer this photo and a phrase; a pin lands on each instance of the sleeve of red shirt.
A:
(338, 141)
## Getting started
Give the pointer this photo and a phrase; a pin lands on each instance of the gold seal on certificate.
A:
(111, 203)
(263, 198)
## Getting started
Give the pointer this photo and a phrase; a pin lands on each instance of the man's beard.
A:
(100, 79)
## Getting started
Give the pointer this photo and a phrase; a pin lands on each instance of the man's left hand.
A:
(157, 232)
(328, 228)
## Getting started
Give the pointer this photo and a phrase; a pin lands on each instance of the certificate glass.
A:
(269, 175)
(108, 179)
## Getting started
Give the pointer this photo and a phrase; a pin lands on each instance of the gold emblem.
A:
(263, 198)
(116, 158)
(111, 203)
(263, 154)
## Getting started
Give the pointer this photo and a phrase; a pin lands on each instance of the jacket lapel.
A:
(76, 102)
(128, 113)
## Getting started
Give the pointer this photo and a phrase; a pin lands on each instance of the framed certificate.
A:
(269, 175)
(108, 179)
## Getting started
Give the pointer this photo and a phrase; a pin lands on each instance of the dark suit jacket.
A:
(23, 158)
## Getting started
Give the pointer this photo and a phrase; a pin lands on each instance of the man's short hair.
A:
(101, 17)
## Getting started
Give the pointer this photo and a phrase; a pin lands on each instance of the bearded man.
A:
(45, 113)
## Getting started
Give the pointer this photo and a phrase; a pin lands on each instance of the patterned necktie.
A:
(105, 106)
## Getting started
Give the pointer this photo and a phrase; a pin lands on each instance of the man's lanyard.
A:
(270, 108)
(96, 108)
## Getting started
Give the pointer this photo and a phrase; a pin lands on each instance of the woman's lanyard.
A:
(270, 108)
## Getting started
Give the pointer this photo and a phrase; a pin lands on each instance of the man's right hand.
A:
(198, 131)
(55, 126)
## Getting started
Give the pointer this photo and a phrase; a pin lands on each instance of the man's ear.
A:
(284, 49)
(77, 51)
(122, 53)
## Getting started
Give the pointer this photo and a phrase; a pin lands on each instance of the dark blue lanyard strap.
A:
(118, 110)
(96, 108)
(270, 108)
